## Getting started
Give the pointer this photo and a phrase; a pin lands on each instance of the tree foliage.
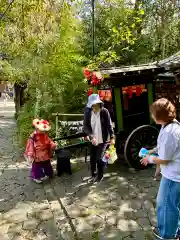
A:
(40, 39)
(135, 33)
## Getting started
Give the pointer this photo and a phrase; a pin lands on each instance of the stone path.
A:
(121, 207)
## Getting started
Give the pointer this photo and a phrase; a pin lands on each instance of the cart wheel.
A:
(143, 136)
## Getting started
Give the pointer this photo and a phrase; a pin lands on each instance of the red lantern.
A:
(101, 94)
(108, 95)
(124, 90)
(138, 91)
(130, 92)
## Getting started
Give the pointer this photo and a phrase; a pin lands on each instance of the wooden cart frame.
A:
(137, 129)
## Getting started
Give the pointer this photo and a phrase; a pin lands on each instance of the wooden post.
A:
(57, 125)
(118, 105)
(150, 98)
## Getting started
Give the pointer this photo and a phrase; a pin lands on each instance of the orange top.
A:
(39, 147)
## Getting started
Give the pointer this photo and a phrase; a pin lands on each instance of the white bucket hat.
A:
(93, 99)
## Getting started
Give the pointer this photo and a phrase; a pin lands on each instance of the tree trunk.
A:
(17, 99)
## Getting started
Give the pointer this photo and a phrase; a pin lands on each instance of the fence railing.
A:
(72, 129)
(71, 121)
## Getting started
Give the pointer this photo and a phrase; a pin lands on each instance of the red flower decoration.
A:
(94, 81)
(37, 123)
(45, 126)
(90, 92)
(87, 73)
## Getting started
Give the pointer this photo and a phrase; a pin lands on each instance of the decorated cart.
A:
(127, 94)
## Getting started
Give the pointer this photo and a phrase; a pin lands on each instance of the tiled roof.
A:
(170, 62)
(126, 69)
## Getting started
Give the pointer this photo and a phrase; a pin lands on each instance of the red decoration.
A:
(101, 94)
(108, 95)
(90, 92)
(45, 122)
(138, 91)
(94, 80)
(87, 74)
(130, 92)
(45, 126)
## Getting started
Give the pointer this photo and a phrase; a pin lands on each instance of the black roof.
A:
(168, 64)
(172, 62)
(128, 69)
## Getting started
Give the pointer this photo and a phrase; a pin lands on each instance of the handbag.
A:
(110, 155)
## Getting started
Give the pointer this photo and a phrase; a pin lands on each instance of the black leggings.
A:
(96, 155)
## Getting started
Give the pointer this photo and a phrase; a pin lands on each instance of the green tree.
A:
(41, 40)
(132, 33)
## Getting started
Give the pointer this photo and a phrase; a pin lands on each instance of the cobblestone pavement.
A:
(121, 207)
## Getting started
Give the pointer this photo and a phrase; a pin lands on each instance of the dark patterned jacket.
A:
(106, 124)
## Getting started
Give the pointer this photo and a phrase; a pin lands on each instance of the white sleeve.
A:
(155, 150)
(168, 146)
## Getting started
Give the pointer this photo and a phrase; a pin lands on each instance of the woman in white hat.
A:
(98, 127)
(39, 151)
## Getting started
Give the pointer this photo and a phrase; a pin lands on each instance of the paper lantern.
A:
(130, 92)
(125, 90)
(138, 91)
(108, 95)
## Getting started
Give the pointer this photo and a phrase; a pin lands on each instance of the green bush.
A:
(24, 122)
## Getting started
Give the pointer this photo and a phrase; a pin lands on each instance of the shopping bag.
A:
(106, 158)
(110, 155)
(113, 155)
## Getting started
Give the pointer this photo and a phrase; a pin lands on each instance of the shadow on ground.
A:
(122, 206)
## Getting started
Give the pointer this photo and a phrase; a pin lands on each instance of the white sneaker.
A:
(44, 178)
(37, 180)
